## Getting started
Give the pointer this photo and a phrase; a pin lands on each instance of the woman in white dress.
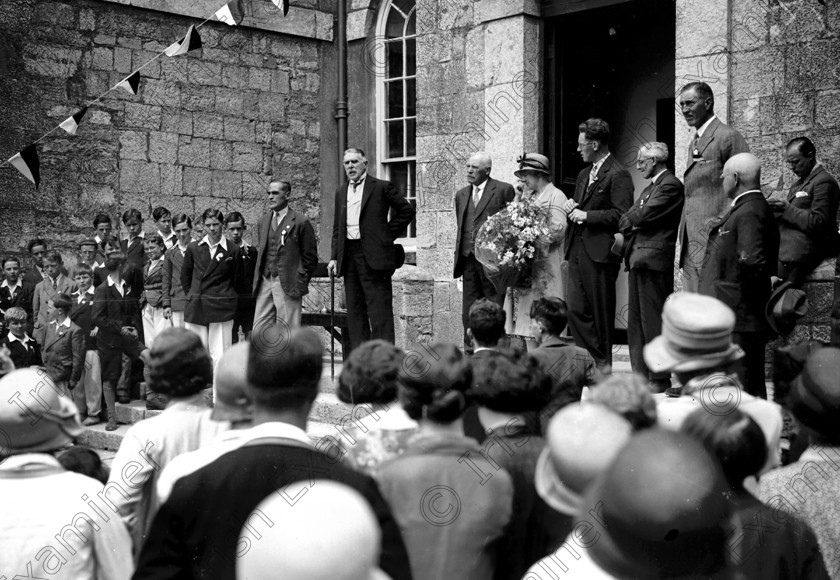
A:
(548, 268)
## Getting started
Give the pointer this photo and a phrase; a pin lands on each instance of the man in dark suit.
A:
(363, 247)
(650, 230)
(569, 367)
(604, 191)
(807, 218)
(475, 203)
(712, 145)
(287, 255)
(197, 530)
(741, 256)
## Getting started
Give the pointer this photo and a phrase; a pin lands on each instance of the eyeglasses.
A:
(643, 161)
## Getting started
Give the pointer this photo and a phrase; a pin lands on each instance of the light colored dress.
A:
(548, 270)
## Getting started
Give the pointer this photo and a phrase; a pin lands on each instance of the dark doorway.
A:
(615, 62)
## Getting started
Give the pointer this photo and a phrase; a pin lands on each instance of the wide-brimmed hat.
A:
(663, 509)
(815, 395)
(329, 531)
(533, 162)
(785, 307)
(34, 415)
(575, 453)
(696, 334)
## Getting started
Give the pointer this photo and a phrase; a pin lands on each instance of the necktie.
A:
(476, 195)
(695, 152)
(593, 175)
(277, 219)
(354, 185)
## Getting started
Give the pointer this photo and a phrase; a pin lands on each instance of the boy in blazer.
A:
(287, 256)
(88, 394)
(211, 277)
(604, 191)
(55, 282)
(151, 300)
(650, 228)
(63, 352)
(23, 349)
(12, 290)
(174, 298)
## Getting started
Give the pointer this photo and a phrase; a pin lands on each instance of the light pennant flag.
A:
(131, 83)
(191, 41)
(283, 5)
(71, 124)
(27, 163)
(231, 13)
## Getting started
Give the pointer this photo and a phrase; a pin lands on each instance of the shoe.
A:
(155, 404)
(112, 425)
(90, 421)
(123, 398)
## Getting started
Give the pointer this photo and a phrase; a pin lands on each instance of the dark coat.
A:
(195, 532)
(377, 231)
(604, 202)
(173, 295)
(570, 368)
(741, 255)
(496, 195)
(248, 297)
(64, 352)
(20, 355)
(135, 253)
(810, 221)
(652, 225)
(21, 297)
(213, 284)
(31, 278)
(82, 315)
(111, 312)
(298, 257)
(153, 285)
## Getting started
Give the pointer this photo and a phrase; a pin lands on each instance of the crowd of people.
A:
(505, 464)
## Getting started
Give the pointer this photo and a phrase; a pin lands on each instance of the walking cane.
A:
(332, 324)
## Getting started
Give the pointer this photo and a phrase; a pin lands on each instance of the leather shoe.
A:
(90, 421)
(155, 404)
(112, 425)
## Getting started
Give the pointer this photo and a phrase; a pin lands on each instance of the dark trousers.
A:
(648, 290)
(590, 298)
(476, 286)
(369, 297)
(751, 368)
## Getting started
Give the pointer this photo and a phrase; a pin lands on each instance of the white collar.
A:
(244, 245)
(275, 429)
(81, 295)
(112, 283)
(5, 284)
(596, 167)
(281, 213)
(705, 125)
(361, 180)
(180, 247)
(740, 195)
(657, 176)
(141, 235)
(481, 186)
(26, 338)
(222, 242)
(171, 234)
(97, 265)
(153, 262)
(65, 324)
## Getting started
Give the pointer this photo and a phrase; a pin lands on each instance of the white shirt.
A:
(740, 195)
(596, 167)
(354, 208)
(657, 176)
(169, 240)
(213, 247)
(24, 341)
(478, 191)
(279, 215)
(65, 324)
(81, 294)
(705, 126)
(121, 288)
(141, 235)
(153, 263)
(5, 284)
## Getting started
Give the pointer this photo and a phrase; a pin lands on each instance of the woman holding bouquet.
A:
(547, 274)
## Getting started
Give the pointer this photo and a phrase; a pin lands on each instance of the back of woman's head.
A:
(629, 396)
(509, 381)
(434, 383)
(371, 373)
(735, 439)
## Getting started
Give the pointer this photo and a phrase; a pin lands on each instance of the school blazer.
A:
(212, 284)
(64, 352)
(172, 293)
(153, 284)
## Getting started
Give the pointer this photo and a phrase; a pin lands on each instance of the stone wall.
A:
(207, 129)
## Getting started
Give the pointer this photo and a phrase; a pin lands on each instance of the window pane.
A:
(394, 52)
(410, 57)
(395, 25)
(411, 134)
(404, 5)
(410, 97)
(395, 138)
(409, 29)
(395, 100)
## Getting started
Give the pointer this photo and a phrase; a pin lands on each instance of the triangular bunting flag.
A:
(191, 41)
(131, 83)
(27, 163)
(72, 123)
(231, 13)
(282, 5)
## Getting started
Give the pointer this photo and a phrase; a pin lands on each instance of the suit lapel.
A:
(801, 186)
(602, 171)
(366, 193)
(461, 203)
(265, 228)
(56, 336)
(702, 143)
(489, 187)
(212, 261)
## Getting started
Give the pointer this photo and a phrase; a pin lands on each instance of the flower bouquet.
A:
(507, 242)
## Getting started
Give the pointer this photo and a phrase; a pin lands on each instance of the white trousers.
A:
(178, 319)
(88, 393)
(153, 323)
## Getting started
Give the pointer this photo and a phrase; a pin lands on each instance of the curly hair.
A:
(179, 365)
(629, 396)
(436, 387)
(371, 373)
(509, 381)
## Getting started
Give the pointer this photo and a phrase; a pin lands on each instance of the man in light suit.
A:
(475, 203)
(287, 256)
(363, 247)
(741, 255)
(712, 145)
(650, 228)
(807, 218)
(604, 191)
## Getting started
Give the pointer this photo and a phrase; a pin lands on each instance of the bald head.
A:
(478, 168)
(233, 403)
(741, 173)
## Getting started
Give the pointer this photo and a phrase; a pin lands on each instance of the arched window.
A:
(396, 103)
